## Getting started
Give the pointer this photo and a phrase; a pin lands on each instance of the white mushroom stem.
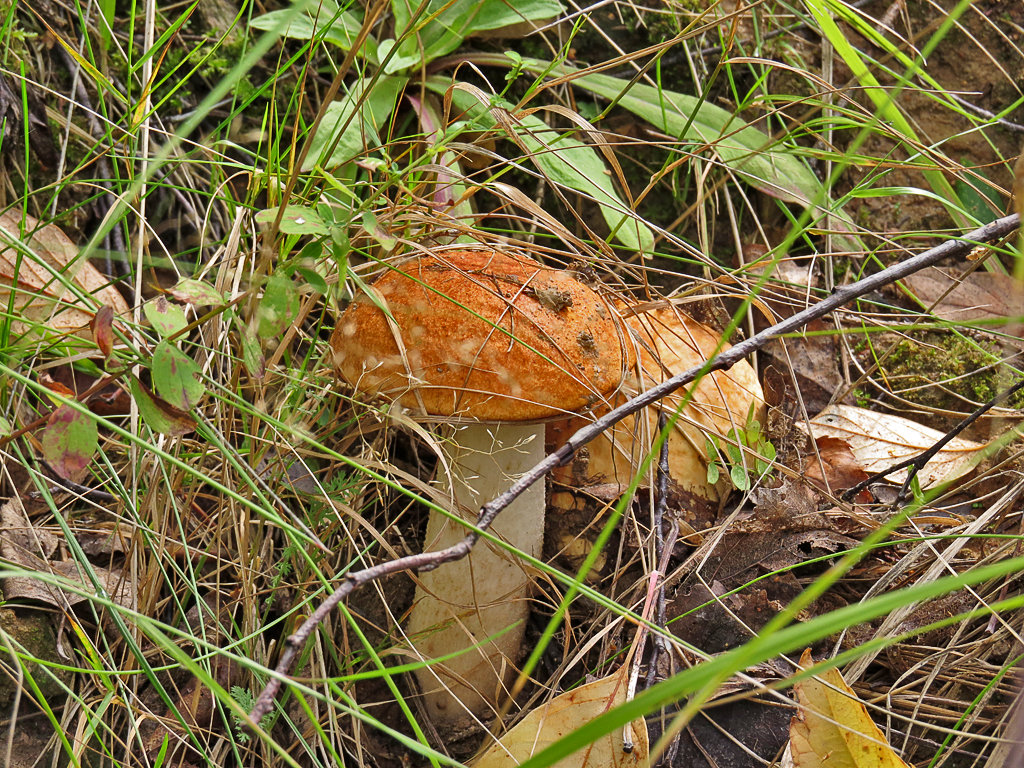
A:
(461, 604)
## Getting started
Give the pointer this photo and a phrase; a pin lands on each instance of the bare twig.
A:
(430, 560)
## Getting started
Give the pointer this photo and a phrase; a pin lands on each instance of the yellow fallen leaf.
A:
(879, 440)
(832, 728)
(29, 269)
(564, 714)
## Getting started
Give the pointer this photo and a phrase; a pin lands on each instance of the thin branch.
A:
(429, 560)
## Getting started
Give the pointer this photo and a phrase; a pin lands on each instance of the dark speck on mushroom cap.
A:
(481, 338)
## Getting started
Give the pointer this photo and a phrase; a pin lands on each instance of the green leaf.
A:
(167, 318)
(748, 151)
(495, 14)
(377, 232)
(350, 125)
(713, 473)
(252, 353)
(739, 477)
(69, 441)
(197, 293)
(396, 59)
(312, 278)
(159, 415)
(443, 25)
(176, 376)
(278, 307)
(323, 20)
(980, 199)
(569, 163)
(576, 165)
(296, 220)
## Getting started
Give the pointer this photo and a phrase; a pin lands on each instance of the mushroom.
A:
(669, 343)
(490, 344)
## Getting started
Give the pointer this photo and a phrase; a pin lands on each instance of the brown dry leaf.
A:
(27, 268)
(564, 714)
(976, 296)
(835, 468)
(31, 547)
(832, 728)
(879, 440)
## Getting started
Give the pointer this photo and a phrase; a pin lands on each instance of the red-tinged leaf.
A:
(196, 292)
(103, 330)
(166, 317)
(176, 376)
(55, 386)
(111, 401)
(69, 441)
(158, 414)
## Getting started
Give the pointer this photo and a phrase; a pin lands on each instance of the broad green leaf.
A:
(570, 163)
(69, 441)
(739, 477)
(981, 200)
(398, 58)
(747, 150)
(165, 317)
(278, 307)
(296, 220)
(445, 24)
(252, 353)
(576, 165)
(350, 125)
(495, 14)
(323, 20)
(176, 376)
(160, 416)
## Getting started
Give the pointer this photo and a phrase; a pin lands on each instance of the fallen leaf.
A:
(880, 440)
(835, 468)
(30, 547)
(565, 714)
(832, 728)
(978, 295)
(40, 267)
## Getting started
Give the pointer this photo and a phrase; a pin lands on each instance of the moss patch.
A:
(945, 370)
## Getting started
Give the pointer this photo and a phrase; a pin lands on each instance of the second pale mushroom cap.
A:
(481, 335)
(669, 343)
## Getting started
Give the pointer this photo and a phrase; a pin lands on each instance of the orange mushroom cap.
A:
(481, 335)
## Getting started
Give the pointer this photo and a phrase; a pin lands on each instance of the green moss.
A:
(943, 369)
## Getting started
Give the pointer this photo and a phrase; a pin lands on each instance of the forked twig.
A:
(430, 560)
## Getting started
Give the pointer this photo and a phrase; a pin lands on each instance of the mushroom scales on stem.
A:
(490, 344)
